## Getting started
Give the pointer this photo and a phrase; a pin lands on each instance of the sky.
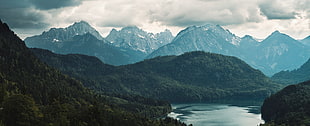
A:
(258, 18)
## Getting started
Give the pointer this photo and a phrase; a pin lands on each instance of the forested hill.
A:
(295, 76)
(290, 106)
(34, 94)
(191, 77)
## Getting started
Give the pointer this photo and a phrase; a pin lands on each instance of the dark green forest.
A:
(191, 77)
(288, 107)
(32, 93)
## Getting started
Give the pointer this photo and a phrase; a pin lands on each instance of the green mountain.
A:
(191, 77)
(293, 77)
(289, 107)
(32, 93)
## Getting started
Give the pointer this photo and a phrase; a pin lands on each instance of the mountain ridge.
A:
(171, 80)
(295, 76)
(275, 53)
(268, 55)
(134, 38)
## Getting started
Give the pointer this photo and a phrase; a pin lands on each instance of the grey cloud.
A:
(52, 4)
(38, 4)
(206, 11)
(274, 10)
(9, 4)
(29, 14)
(23, 18)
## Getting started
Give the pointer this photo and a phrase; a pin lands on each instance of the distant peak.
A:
(213, 27)
(167, 30)
(247, 37)
(276, 32)
(81, 22)
(279, 37)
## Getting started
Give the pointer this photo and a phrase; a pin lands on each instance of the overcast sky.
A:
(258, 18)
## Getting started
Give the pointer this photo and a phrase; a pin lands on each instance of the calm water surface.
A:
(216, 115)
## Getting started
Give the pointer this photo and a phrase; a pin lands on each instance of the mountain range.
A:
(139, 40)
(126, 46)
(129, 45)
(275, 53)
(190, 77)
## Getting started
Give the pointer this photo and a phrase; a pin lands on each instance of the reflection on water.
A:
(216, 114)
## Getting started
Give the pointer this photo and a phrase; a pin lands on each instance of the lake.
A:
(216, 114)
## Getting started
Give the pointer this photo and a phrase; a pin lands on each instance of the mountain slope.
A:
(33, 93)
(191, 77)
(295, 76)
(306, 41)
(88, 44)
(290, 106)
(280, 52)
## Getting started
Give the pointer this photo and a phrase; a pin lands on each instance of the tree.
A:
(20, 110)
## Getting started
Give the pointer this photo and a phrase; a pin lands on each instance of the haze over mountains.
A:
(129, 45)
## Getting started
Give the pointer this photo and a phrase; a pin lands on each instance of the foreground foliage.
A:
(290, 106)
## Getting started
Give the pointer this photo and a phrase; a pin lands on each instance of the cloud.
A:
(120, 13)
(39, 4)
(156, 14)
(53, 4)
(23, 18)
(278, 9)
(199, 12)
(30, 14)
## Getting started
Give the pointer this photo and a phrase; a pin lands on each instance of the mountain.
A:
(290, 106)
(295, 76)
(280, 52)
(81, 38)
(35, 94)
(247, 49)
(88, 44)
(277, 52)
(55, 35)
(191, 77)
(209, 38)
(136, 39)
(306, 41)
(126, 46)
